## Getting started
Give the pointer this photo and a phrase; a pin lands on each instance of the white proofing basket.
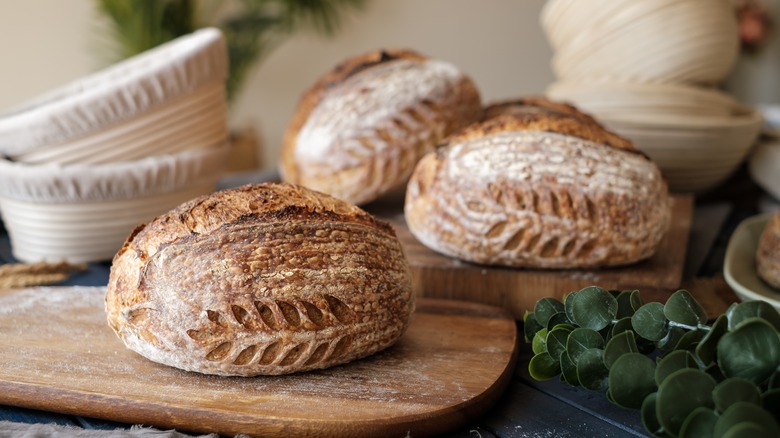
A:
(84, 213)
(155, 102)
(695, 154)
(660, 41)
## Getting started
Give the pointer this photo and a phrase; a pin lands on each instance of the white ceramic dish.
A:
(739, 267)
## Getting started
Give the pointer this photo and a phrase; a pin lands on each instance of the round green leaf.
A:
(581, 340)
(545, 309)
(591, 371)
(530, 326)
(689, 340)
(681, 393)
(568, 370)
(672, 338)
(622, 325)
(681, 307)
(568, 327)
(750, 309)
(557, 319)
(747, 430)
(700, 423)
(649, 321)
(539, 343)
(636, 300)
(714, 371)
(619, 345)
(609, 396)
(735, 389)
(649, 418)
(568, 304)
(624, 309)
(594, 308)
(631, 380)
(707, 348)
(543, 367)
(556, 342)
(672, 362)
(744, 412)
(751, 351)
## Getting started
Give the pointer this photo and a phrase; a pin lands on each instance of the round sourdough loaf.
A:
(538, 184)
(260, 280)
(360, 129)
(768, 254)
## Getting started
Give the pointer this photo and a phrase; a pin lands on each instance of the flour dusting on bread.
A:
(504, 192)
(360, 130)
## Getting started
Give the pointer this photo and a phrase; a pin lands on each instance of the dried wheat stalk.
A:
(16, 275)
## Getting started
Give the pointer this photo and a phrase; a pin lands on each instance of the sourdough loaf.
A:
(260, 280)
(768, 254)
(538, 184)
(360, 129)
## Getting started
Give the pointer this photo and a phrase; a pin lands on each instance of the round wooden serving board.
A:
(58, 354)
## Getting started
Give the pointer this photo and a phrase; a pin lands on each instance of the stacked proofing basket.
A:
(649, 71)
(83, 165)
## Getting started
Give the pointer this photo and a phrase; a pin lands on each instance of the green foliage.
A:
(686, 378)
(252, 28)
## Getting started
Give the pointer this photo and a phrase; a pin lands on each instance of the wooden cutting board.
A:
(58, 354)
(516, 290)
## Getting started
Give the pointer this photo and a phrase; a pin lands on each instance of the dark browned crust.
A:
(540, 114)
(268, 202)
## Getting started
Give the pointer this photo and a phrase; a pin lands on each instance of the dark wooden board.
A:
(439, 276)
(58, 354)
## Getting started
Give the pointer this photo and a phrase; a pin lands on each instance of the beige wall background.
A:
(499, 43)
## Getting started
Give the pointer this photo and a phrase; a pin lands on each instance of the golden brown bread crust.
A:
(380, 112)
(262, 279)
(768, 253)
(535, 187)
(541, 114)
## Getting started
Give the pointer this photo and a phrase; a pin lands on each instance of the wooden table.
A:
(527, 408)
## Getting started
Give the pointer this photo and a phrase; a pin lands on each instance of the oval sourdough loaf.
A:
(261, 279)
(768, 254)
(360, 129)
(538, 184)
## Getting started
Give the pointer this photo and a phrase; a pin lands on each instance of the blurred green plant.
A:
(687, 378)
(252, 28)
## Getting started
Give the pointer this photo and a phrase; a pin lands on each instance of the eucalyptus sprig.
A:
(687, 378)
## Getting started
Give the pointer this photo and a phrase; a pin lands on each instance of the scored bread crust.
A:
(768, 253)
(358, 132)
(538, 184)
(260, 280)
